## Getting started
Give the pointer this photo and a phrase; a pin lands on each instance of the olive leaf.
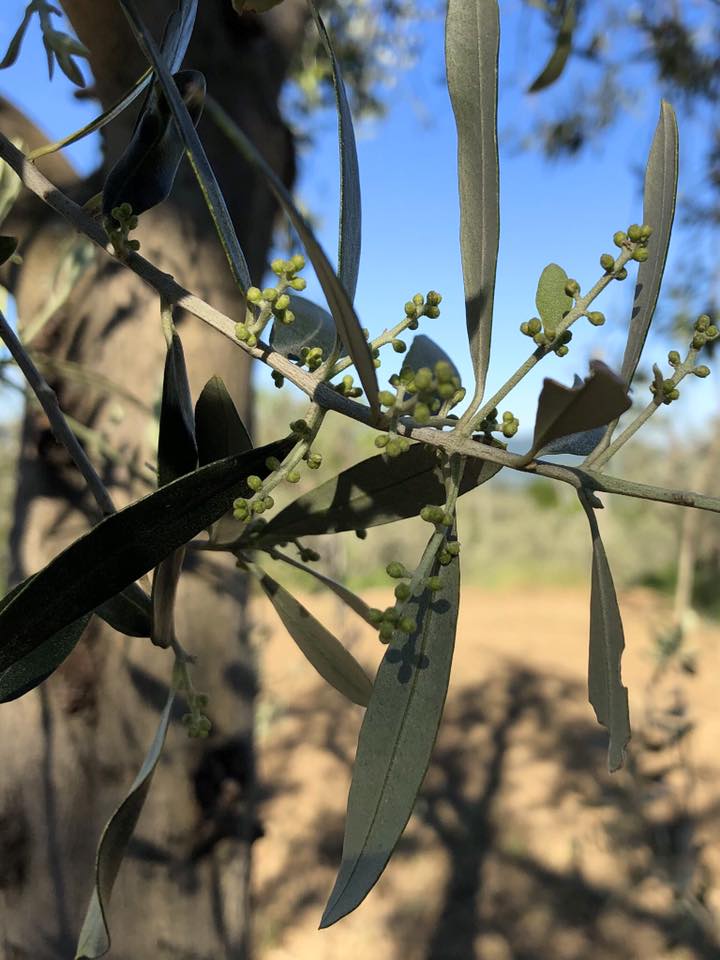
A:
(396, 740)
(472, 40)
(219, 431)
(144, 174)
(13, 50)
(563, 411)
(353, 601)
(608, 696)
(550, 299)
(129, 612)
(123, 547)
(8, 246)
(327, 655)
(94, 939)
(312, 327)
(660, 192)
(424, 352)
(201, 166)
(350, 233)
(372, 492)
(561, 51)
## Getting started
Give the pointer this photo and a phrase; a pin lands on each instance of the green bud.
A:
(711, 332)
(402, 592)
(453, 548)
(572, 288)
(314, 461)
(241, 331)
(645, 232)
(619, 238)
(241, 509)
(421, 412)
(282, 303)
(386, 398)
(702, 371)
(407, 625)
(399, 346)
(674, 394)
(278, 267)
(607, 261)
(386, 631)
(699, 341)
(673, 358)
(432, 312)
(293, 476)
(596, 318)
(251, 340)
(433, 298)
(445, 391)
(394, 447)
(396, 570)
(278, 379)
(541, 339)
(561, 351)
(423, 378)
(419, 299)
(374, 615)
(621, 274)
(272, 463)
(444, 558)
(254, 482)
(297, 261)
(702, 322)
(298, 283)
(433, 584)
(382, 440)
(288, 317)
(270, 294)
(525, 329)
(413, 325)
(444, 372)
(641, 254)
(410, 309)
(534, 326)
(268, 503)
(635, 232)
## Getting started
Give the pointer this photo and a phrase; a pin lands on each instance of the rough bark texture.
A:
(69, 751)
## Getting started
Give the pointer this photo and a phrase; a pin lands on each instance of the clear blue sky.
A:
(564, 212)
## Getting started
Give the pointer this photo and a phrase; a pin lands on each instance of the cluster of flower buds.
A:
(533, 328)
(274, 302)
(636, 239)
(666, 390)
(118, 230)
(347, 389)
(425, 392)
(421, 306)
(508, 426)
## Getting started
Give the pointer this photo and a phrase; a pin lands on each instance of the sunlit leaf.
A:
(563, 47)
(661, 177)
(350, 232)
(551, 300)
(123, 547)
(324, 651)
(563, 411)
(203, 171)
(94, 940)
(396, 740)
(608, 696)
(373, 492)
(219, 431)
(472, 39)
(346, 321)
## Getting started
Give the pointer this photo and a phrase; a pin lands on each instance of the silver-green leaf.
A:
(94, 940)
(396, 740)
(472, 40)
(608, 696)
(550, 299)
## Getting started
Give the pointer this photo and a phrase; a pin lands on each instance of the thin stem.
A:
(49, 402)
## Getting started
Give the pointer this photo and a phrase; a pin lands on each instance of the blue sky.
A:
(564, 212)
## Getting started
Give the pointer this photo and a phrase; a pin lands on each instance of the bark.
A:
(70, 750)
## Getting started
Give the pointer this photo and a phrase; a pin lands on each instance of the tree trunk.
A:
(70, 750)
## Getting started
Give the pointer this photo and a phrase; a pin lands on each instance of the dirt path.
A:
(522, 846)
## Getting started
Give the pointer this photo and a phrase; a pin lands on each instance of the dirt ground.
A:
(522, 846)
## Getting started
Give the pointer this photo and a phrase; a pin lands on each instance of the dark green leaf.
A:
(472, 39)
(341, 308)
(313, 327)
(608, 696)
(551, 300)
(129, 612)
(123, 547)
(424, 352)
(563, 46)
(94, 940)
(324, 651)
(144, 174)
(396, 740)
(563, 411)
(8, 246)
(177, 451)
(372, 492)
(203, 171)
(661, 176)
(350, 208)
(355, 602)
(13, 49)
(219, 431)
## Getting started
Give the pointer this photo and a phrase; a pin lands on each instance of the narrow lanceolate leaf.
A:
(324, 651)
(608, 696)
(203, 171)
(396, 740)
(177, 450)
(563, 411)
(11, 54)
(353, 601)
(94, 940)
(8, 246)
(424, 352)
(312, 327)
(550, 299)
(178, 30)
(341, 308)
(144, 174)
(350, 207)
(472, 39)
(563, 47)
(661, 176)
(219, 431)
(372, 492)
(123, 547)
(129, 612)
